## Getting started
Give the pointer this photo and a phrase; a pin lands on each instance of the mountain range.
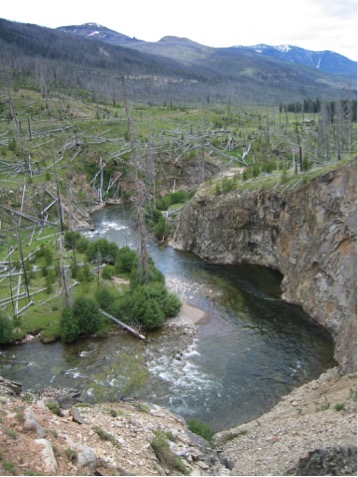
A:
(325, 61)
(94, 60)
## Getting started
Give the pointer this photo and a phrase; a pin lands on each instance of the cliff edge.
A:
(307, 231)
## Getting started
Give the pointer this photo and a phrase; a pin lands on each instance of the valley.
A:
(239, 163)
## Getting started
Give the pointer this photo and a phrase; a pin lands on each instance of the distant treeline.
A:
(347, 107)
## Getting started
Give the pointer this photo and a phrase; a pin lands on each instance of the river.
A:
(253, 349)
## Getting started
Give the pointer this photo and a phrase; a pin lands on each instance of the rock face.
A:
(306, 231)
(341, 460)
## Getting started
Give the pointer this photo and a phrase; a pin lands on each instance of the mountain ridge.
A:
(171, 71)
(325, 60)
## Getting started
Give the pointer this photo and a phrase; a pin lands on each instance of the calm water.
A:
(254, 348)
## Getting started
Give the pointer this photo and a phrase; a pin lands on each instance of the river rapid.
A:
(252, 349)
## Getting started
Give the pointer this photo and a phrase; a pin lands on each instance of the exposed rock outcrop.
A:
(340, 460)
(306, 231)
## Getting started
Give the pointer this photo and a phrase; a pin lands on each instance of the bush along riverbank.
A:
(99, 277)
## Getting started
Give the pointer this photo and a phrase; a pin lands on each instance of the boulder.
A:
(48, 457)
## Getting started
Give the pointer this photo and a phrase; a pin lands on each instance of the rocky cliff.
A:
(307, 231)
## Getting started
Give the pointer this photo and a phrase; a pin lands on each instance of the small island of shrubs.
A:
(144, 302)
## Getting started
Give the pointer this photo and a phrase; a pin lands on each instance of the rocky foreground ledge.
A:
(105, 439)
(312, 431)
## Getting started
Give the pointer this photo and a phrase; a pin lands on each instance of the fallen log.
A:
(123, 325)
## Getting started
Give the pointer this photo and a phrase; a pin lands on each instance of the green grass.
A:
(54, 407)
(71, 454)
(164, 454)
(105, 436)
(201, 429)
(8, 466)
(10, 433)
(231, 436)
(340, 406)
(273, 180)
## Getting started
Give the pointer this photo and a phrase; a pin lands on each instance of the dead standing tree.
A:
(62, 270)
(139, 189)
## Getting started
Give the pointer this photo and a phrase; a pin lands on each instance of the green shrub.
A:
(46, 254)
(218, 189)
(161, 448)
(75, 269)
(82, 244)
(105, 436)
(284, 177)
(50, 278)
(86, 312)
(108, 272)
(107, 251)
(168, 302)
(161, 229)
(54, 408)
(69, 326)
(122, 308)
(105, 296)
(12, 145)
(8, 466)
(6, 330)
(150, 314)
(307, 164)
(85, 274)
(126, 260)
(147, 304)
(339, 406)
(10, 432)
(269, 166)
(171, 305)
(138, 278)
(178, 197)
(71, 239)
(229, 185)
(83, 319)
(71, 454)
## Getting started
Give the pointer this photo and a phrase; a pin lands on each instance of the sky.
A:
(312, 24)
